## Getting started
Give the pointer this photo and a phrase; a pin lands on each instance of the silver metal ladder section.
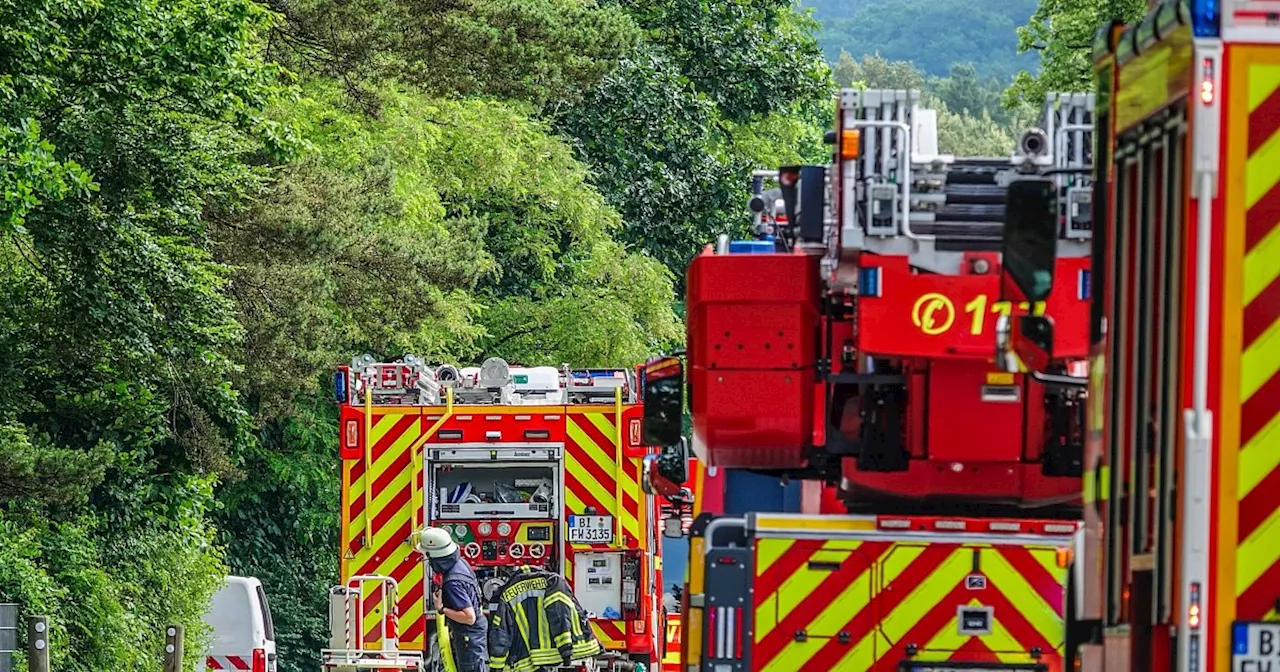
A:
(957, 203)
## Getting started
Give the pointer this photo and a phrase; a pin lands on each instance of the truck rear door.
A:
(996, 603)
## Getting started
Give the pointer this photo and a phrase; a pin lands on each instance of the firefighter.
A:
(458, 598)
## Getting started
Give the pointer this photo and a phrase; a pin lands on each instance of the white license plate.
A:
(590, 529)
(1255, 647)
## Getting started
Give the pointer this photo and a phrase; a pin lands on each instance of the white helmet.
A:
(435, 543)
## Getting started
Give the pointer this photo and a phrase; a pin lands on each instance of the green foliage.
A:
(1062, 32)
(119, 122)
(714, 91)
(415, 232)
(280, 525)
(933, 34)
(534, 50)
(971, 118)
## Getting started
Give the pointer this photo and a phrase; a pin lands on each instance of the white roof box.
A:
(536, 378)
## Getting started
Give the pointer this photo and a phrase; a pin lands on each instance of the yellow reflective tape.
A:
(999, 378)
(1096, 484)
(1258, 552)
(1024, 597)
(1264, 79)
(840, 607)
(1004, 645)
(589, 450)
(783, 523)
(1261, 360)
(1262, 169)
(925, 596)
(1258, 458)
(769, 551)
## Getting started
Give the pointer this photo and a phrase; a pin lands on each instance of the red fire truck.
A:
(523, 466)
(849, 345)
(851, 342)
(1182, 482)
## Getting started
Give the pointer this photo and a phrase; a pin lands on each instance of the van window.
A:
(267, 625)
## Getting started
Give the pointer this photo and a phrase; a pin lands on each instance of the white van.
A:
(243, 636)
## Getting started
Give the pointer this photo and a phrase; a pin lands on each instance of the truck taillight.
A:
(259, 660)
(1193, 610)
(631, 586)
(724, 633)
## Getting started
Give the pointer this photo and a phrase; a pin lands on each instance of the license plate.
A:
(590, 529)
(1255, 647)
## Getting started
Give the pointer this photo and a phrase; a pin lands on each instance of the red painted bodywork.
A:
(753, 325)
(757, 330)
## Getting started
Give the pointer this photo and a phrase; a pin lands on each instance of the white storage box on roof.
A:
(536, 379)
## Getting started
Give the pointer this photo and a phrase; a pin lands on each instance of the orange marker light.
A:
(849, 144)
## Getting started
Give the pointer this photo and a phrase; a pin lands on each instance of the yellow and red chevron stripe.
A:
(591, 478)
(592, 471)
(671, 654)
(860, 603)
(392, 517)
(1257, 556)
(612, 634)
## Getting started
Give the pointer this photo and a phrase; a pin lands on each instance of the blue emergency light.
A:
(869, 281)
(340, 386)
(752, 247)
(1206, 18)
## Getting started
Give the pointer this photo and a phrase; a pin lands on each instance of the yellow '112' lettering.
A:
(977, 309)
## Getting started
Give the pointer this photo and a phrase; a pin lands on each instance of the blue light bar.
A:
(1084, 285)
(340, 386)
(1206, 18)
(752, 247)
(869, 281)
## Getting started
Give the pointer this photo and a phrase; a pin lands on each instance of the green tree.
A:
(877, 72)
(713, 90)
(1062, 32)
(119, 122)
(540, 51)
(933, 34)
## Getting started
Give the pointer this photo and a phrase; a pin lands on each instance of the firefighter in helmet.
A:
(458, 598)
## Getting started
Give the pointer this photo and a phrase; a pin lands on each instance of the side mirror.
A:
(673, 527)
(1032, 340)
(804, 195)
(665, 473)
(1030, 240)
(663, 401)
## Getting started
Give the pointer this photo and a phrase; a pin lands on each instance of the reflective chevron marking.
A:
(1258, 473)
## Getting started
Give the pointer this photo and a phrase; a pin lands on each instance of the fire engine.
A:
(871, 328)
(523, 466)
(849, 347)
(1182, 464)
